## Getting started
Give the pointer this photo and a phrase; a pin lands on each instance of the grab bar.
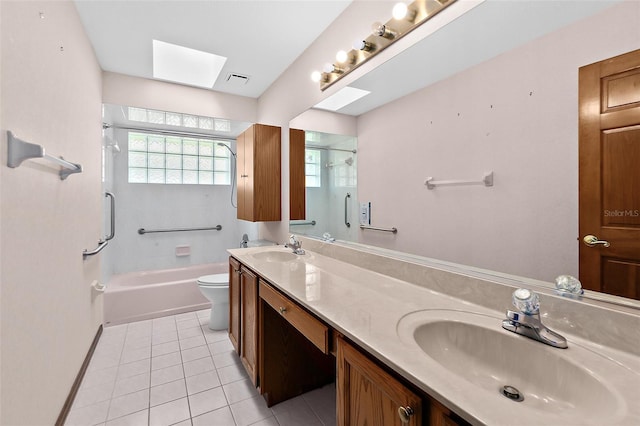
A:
(19, 151)
(103, 243)
(113, 215)
(487, 180)
(346, 217)
(312, 223)
(143, 231)
(393, 230)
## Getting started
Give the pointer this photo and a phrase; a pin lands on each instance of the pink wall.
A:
(515, 115)
(51, 95)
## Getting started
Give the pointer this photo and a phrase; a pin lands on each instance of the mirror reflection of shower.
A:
(330, 174)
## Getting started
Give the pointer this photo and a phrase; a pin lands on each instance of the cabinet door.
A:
(266, 179)
(368, 395)
(249, 323)
(234, 303)
(297, 184)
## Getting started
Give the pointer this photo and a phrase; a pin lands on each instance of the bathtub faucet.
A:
(295, 245)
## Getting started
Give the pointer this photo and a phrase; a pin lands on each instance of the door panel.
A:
(609, 176)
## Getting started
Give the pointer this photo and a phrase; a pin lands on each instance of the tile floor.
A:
(175, 371)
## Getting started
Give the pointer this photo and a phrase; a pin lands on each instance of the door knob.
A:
(592, 241)
(405, 414)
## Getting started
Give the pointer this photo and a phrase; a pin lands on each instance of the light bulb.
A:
(316, 76)
(328, 68)
(378, 28)
(342, 56)
(362, 45)
(400, 11)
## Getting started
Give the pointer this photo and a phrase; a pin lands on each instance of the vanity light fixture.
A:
(405, 18)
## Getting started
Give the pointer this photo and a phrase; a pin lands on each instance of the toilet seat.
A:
(215, 280)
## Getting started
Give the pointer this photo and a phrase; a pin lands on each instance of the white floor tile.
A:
(169, 413)
(202, 382)
(220, 347)
(131, 355)
(212, 336)
(165, 348)
(250, 411)
(240, 390)
(226, 359)
(195, 353)
(166, 375)
(127, 404)
(134, 368)
(185, 316)
(89, 415)
(139, 418)
(232, 373)
(198, 366)
(204, 313)
(206, 401)
(131, 384)
(98, 377)
(220, 417)
(164, 337)
(183, 423)
(168, 392)
(101, 362)
(189, 323)
(192, 342)
(189, 332)
(137, 343)
(164, 361)
(145, 325)
(93, 395)
(271, 421)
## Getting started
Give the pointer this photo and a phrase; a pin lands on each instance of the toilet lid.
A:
(215, 280)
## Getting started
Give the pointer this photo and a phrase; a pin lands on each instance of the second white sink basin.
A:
(274, 256)
(566, 385)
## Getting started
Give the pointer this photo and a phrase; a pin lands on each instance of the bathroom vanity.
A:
(411, 343)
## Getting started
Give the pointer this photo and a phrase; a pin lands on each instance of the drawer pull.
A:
(282, 310)
(405, 414)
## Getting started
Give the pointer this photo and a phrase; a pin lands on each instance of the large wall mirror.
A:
(464, 102)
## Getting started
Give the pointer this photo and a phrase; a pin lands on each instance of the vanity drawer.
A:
(305, 323)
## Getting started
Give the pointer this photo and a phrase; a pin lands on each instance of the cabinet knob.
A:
(405, 414)
(282, 310)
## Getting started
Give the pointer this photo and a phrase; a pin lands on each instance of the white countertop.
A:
(367, 307)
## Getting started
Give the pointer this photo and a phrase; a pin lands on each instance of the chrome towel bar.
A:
(143, 231)
(487, 180)
(309, 222)
(393, 230)
(19, 151)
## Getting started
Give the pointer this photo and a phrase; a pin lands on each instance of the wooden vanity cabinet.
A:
(368, 395)
(249, 323)
(234, 303)
(258, 173)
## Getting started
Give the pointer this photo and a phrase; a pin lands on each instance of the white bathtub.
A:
(137, 296)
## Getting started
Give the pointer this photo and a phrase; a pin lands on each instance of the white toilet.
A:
(216, 289)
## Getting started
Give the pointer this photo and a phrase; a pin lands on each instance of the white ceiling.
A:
(255, 35)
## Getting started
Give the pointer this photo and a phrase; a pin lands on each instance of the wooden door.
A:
(367, 395)
(297, 184)
(249, 323)
(609, 175)
(234, 303)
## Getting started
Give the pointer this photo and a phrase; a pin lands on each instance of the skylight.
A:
(184, 65)
(341, 98)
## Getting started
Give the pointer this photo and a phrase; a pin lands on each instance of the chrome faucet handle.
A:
(526, 321)
(295, 245)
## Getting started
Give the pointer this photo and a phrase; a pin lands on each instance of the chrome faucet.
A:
(295, 245)
(526, 321)
(245, 240)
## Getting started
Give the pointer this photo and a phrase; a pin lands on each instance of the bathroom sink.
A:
(274, 256)
(561, 385)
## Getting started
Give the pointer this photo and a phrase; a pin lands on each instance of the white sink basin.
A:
(561, 386)
(275, 256)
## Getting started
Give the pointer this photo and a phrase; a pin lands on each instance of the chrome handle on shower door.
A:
(113, 215)
(346, 217)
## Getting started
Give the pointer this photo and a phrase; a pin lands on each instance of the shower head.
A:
(227, 146)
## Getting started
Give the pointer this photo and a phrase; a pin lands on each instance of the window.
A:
(176, 119)
(176, 160)
(312, 168)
